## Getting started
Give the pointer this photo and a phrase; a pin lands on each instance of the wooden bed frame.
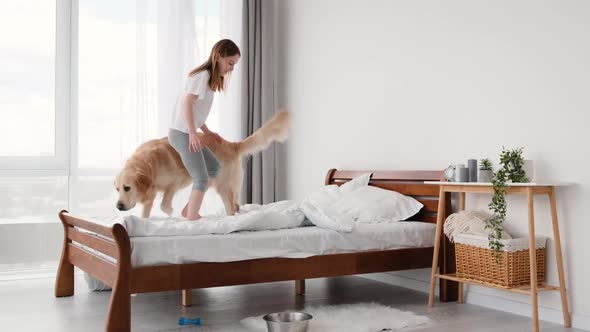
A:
(126, 279)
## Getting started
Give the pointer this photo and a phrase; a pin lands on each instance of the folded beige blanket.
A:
(469, 222)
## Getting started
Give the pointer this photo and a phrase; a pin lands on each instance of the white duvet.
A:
(252, 217)
(319, 208)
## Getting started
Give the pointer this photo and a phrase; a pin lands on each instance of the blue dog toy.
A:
(189, 321)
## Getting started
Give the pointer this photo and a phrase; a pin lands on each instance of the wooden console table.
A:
(530, 190)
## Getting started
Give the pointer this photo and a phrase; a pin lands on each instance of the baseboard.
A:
(552, 315)
(579, 321)
(405, 282)
(39, 273)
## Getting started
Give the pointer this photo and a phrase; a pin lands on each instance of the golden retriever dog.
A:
(156, 167)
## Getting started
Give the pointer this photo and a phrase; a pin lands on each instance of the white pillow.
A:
(356, 183)
(317, 208)
(326, 195)
(372, 205)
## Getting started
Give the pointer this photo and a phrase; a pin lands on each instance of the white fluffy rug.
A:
(362, 317)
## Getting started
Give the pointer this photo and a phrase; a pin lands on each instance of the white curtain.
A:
(163, 41)
(231, 105)
(165, 50)
(174, 37)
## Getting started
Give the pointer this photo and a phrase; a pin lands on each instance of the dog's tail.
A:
(276, 129)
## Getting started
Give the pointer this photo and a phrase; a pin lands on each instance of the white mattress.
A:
(291, 243)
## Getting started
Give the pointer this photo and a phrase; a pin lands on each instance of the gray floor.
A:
(29, 305)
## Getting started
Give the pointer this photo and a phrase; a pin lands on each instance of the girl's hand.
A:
(194, 144)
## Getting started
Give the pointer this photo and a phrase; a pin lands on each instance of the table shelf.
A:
(530, 190)
(525, 289)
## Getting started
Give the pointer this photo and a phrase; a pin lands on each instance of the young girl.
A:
(191, 113)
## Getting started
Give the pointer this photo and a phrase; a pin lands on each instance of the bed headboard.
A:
(410, 183)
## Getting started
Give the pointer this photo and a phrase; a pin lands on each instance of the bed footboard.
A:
(112, 242)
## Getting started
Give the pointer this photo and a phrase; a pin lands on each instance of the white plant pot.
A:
(485, 175)
(529, 169)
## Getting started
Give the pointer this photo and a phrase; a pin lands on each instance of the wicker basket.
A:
(476, 262)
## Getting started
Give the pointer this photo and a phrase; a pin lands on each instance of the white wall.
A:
(391, 85)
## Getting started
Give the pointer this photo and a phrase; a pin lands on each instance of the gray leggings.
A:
(200, 165)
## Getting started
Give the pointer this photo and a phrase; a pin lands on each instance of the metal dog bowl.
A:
(287, 321)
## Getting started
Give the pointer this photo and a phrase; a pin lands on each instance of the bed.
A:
(105, 253)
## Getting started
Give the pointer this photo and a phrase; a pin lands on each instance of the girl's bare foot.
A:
(195, 218)
(184, 213)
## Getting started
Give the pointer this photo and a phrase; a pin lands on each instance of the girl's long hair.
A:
(222, 48)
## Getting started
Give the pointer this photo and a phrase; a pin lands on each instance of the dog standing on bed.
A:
(156, 167)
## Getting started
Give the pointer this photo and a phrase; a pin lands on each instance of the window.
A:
(109, 125)
(27, 90)
(81, 88)
(33, 86)
(34, 126)
(34, 108)
(31, 199)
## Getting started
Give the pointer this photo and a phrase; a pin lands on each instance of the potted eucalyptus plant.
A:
(485, 172)
(511, 171)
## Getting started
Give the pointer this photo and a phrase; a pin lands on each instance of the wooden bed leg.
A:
(119, 318)
(64, 280)
(187, 297)
(300, 287)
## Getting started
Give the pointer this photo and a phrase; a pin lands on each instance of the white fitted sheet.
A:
(290, 243)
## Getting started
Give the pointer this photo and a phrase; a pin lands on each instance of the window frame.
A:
(64, 102)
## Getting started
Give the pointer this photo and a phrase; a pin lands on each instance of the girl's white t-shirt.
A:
(196, 85)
